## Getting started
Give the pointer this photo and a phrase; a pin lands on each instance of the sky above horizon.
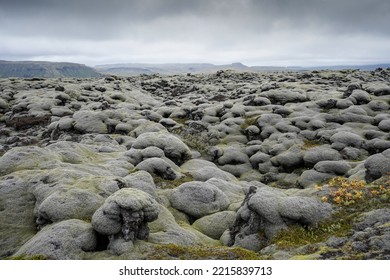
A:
(254, 32)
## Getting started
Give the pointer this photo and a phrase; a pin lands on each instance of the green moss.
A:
(27, 257)
(296, 236)
(310, 144)
(314, 256)
(172, 251)
(249, 121)
(180, 121)
(171, 184)
(196, 141)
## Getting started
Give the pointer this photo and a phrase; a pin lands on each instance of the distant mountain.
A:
(352, 67)
(131, 69)
(43, 69)
(167, 69)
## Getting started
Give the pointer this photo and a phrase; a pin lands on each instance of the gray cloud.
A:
(255, 32)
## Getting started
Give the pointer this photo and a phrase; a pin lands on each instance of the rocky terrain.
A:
(133, 69)
(226, 165)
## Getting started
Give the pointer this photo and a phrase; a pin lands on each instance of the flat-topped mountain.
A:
(44, 69)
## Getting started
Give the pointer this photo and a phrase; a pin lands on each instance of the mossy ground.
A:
(171, 184)
(195, 141)
(172, 251)
(310, 144)
(296, 236)
(249, 121)
(27, 257)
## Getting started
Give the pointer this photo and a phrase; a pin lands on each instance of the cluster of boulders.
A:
(80, 159)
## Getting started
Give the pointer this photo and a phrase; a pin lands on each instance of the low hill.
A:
(43, 69)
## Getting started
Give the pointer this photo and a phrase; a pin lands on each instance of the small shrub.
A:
(346, 192)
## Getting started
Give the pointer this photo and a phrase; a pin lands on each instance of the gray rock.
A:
(268, 210)
(378, 105)
(251, 242)
(351, 87)
(65, 123)
(378, 88)
(290, 159)
(333, 167)
(373, 218)
(198, 199)
(284, 96)
(125, 215)
(350, 153)
(233, 156)
(384, 125)
(258, 158)
(336, 242)
(27, 158)
(310, 178)
(268, 119)
(343, 139)
(160, 167)
(165, 230)
(344, 103)
(68, 204)
(61, 111)
(377, 166)
(3, 105)
(66, 240)
(317, 154)
(17, 220)
(234, 191)
(172, 146)
(360, 97)
(141, 180)
(206, 173)
(215, 225)
(90, 122)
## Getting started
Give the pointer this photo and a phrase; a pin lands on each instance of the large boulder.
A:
(141, 180)
(377, 166)
(68, 204)
(90, 122)
(343, 139)
(267, 211)
(333, 167)
(66, 240)
(198, 199)
(125, 215)
(26, 158)
(17, 220)
(215, 225)
(321, 153)
(283, 96)
(160, 167)
(173, 147)
(310, 178)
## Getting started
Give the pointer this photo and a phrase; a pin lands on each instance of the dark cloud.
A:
(252, 31)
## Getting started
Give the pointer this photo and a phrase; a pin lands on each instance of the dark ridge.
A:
(43, 69)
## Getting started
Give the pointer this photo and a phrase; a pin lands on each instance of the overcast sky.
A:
(254, 32)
